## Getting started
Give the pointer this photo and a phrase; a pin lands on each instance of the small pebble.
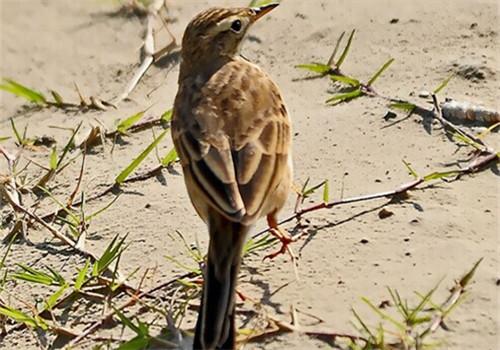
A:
(424, 94)
(384, 213)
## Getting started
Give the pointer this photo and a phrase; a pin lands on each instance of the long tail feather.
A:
(215, 326)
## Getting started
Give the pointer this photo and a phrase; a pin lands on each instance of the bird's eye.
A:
(236, 26)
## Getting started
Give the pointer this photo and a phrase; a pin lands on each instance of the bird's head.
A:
(217, 33)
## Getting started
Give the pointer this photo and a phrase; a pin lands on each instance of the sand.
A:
(348, 252)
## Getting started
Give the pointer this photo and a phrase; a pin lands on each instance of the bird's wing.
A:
(235, 141)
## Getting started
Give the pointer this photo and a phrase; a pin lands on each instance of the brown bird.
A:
(232, 133)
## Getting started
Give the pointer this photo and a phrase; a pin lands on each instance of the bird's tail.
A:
(215, 327)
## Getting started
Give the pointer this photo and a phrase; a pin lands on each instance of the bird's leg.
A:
(282, 235)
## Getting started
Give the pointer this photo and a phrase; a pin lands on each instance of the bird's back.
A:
(240, 128)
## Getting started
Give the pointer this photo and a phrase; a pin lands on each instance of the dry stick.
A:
(402, 189)
(136, 127)
(109, 188)
(473, 166)
(146, 62)
(79, 181)
(59, 235)
(34, 217)
(148, 49)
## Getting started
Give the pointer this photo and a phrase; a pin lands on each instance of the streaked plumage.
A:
(232, 133)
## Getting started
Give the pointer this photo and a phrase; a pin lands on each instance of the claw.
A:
(284, 238)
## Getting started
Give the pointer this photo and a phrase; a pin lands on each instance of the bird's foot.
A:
(285, 240)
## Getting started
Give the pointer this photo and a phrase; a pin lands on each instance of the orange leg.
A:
(283, 236)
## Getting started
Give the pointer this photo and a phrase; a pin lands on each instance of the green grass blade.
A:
(194, 253)
(19, 90)
(135, 163)
(167, 116)
(440, 175)
(53, 159)
(362, 324)
(182, 266)
(80, 278)
(127, 321)
(396, 299)
(410, 169)
(443, 85)
(379, 72)
(170, 158)
(31, 275)
(32, 278)
(319, 68)
(125, 124)
(259, 3)
(265, 242)
(69, 145)
(464, 281)
(137, 343)
(307, 192)
(58, 278)
(346, 49)
(335, 49)
(304, 187)
(420, 307)
(345, 97)
(112, 252)
(21, 317)
(345, 80)
(326, 192)
(480, 136)
(52, 300)
(19, 139)
(57, 98)
(383, 315)
(405, 106)
(75, 219)
(102, 210)
(4, 138)
(467, 140)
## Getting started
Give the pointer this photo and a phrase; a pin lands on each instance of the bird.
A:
(232, 133)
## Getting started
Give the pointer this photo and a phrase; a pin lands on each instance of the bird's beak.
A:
(261, 11)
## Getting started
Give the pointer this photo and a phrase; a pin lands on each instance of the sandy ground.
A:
(437, 234)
